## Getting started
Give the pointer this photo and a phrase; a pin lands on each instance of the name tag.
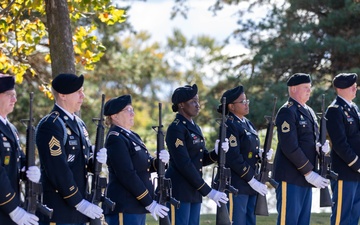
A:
(73, 142)
(6, 144)
(302, 122)
(137, 148)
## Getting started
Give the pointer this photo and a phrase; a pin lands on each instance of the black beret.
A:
(115, 105)
(231, 95)
(6, 83)
(298, 78)
(184, 94)
(67, 83)
(344, 80)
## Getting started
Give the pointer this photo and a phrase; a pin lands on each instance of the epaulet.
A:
(289, 104)
(114, 133)
(231, 118)
(176, 121)
(54, 115)
(334, 106)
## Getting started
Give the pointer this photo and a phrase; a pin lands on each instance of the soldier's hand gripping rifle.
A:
(222, 181)
(99, 184)
(264, 175)
(324, 160)
(163, 191)
(33, 191)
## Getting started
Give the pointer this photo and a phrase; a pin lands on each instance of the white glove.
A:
(164, 156)
(33, 174)
(157, 209)
(268, 154)
(224, 145)
(325, 148)
(258, 186)
(317, 180)
(88, 209)
(218, 197)
(21, 217)
(101, 156)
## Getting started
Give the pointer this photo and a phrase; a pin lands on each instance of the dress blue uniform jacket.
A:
(64, 150)
(130, 166)
(297, 130)
(188, 155)
(12, 159)
(243, 155)
(343, 127)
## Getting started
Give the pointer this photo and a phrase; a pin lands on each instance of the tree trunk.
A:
(60, 37)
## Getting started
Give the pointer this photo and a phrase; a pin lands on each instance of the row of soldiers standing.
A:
(65, 152)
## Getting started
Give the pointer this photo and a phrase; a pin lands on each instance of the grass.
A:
(207, 219)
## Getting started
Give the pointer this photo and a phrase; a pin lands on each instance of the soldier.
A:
(343, 126)
(130, 166)
(243, 156)
(188, 155)
(296, 154)
(12, 160)
(65, 149)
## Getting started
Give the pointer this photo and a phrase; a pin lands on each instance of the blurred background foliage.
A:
(319, 37)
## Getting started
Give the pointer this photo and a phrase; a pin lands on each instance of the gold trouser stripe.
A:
(339, 202)
(172, 214)
(121, 218)
(231, 206)
(283, 203)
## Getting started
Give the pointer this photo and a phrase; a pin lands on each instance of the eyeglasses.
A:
(129, 110)
(244, 102)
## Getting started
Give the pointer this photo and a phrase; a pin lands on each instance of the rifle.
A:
(222, 182)
(264, 175)
(99, 184)
(164, 189)
(324, 160)
(33, 191)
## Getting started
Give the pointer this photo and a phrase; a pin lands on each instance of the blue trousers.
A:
(125, 219)
(243, 210)
(293, 204)
(346, 199)
(188, 214)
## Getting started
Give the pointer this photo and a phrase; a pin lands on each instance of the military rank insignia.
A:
(55, 148)
(178, 142)
(232, 141)
(285, 127)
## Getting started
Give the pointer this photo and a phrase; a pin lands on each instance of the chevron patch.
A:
(178, 142)
(55, 148)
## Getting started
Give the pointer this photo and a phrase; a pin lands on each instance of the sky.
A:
(154, 17)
